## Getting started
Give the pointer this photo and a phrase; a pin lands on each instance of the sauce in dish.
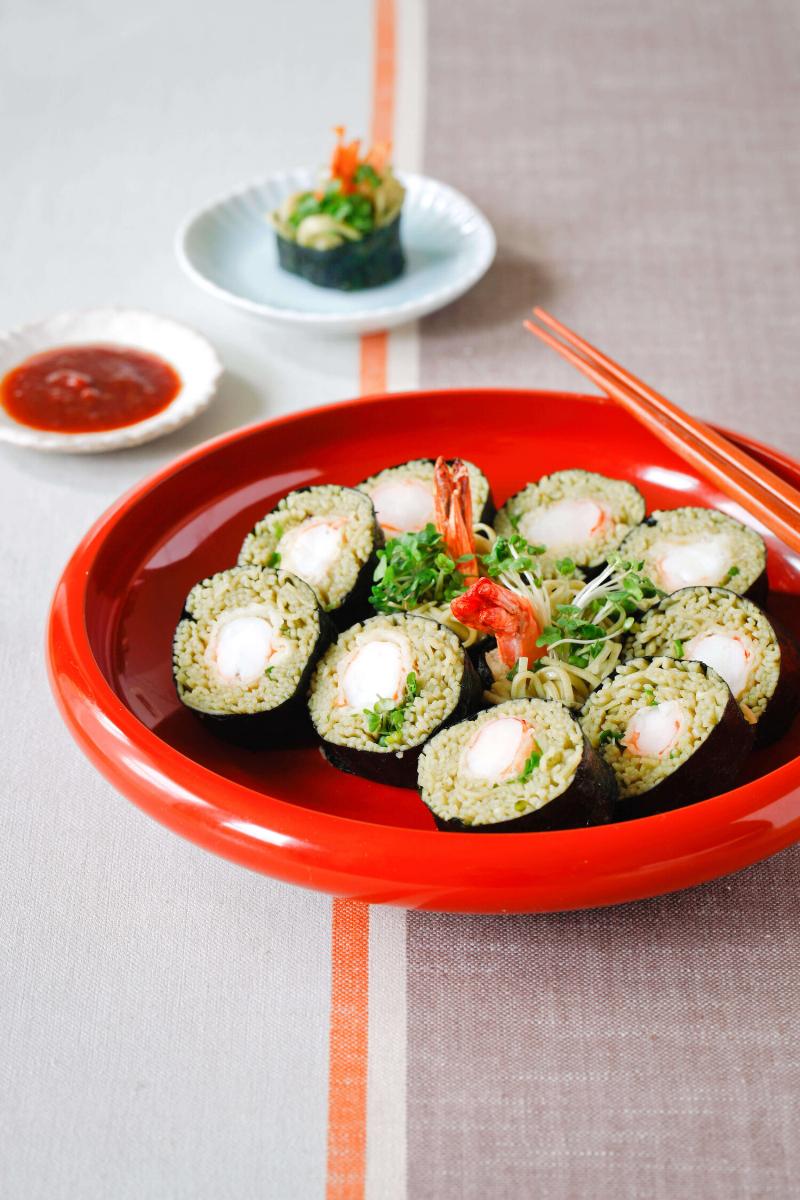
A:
(87, 389)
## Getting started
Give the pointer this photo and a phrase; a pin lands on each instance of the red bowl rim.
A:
(350, 856)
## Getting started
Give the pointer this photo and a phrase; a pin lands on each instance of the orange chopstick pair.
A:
(760, 491)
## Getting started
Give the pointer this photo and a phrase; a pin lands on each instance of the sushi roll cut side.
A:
(573, 514)
(520, 767)
(404, 496)
(386, 687)
(670, 730)
(327, 536)
(689, 547)
(758, 662)
(243, 654)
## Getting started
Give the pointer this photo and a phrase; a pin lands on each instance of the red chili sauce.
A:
(84, 389)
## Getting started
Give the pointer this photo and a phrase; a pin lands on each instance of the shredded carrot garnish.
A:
(346, 159)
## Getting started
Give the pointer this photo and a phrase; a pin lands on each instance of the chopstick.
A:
(740, 476)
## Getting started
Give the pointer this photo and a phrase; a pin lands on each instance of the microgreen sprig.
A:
(354, 209)
(602, 610)
(366, 173)
(385, 719)
(511, 555)
(414, 569)
(609, 735)
(531, 763)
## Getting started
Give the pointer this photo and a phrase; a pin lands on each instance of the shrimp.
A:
(452, 498)
(653, 731)
(490, 608)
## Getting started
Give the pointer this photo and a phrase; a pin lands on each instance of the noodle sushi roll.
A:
(520, 767)
(384, 689)
(326, 535)
(404, 496)
(670, 730)
(345, 232)
(758, 661)
(574, 514)
(687, 547)
(244, 652)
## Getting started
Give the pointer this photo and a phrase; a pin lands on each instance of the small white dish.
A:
(228, 249)
(194, 359)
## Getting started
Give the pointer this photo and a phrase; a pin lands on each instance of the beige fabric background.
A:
(641, 164)
(164, 1013)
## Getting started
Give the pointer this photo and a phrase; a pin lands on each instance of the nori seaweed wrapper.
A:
(477, 655)
(590, 799)
(784, 703)
(374, 259)
(712, 769)
(285, 727)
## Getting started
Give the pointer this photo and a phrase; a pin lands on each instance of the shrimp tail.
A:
(452, 497)
(490, 608)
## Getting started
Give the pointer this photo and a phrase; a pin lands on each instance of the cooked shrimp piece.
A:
(490, 608)
(731, 655)
(376, 669)
(570, 522)
(704, 561)
(498, 750)
(653, 731)
(452, 498)
(403, 505)
(311, 548)
(243, 645)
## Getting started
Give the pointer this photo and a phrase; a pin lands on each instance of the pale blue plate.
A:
(228, 249)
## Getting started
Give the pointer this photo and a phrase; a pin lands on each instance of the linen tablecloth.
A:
(176, 1027)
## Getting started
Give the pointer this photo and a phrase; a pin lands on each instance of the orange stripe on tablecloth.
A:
(372, 368)
(347, 1087)
(384, 73)
(374, 346)
(347, 1080)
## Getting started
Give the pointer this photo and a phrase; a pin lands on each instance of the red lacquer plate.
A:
(289, 814)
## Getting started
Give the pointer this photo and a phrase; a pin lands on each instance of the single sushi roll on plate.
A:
(404, 496)
(384, 689)
(326, 535)
(574, 514)
(244, 652)
(687, 547)
(344, 234)
(671, 731)
(758, 661)
(520, 767)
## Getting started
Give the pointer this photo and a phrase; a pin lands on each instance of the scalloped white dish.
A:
(228, 249)
(191, 355)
